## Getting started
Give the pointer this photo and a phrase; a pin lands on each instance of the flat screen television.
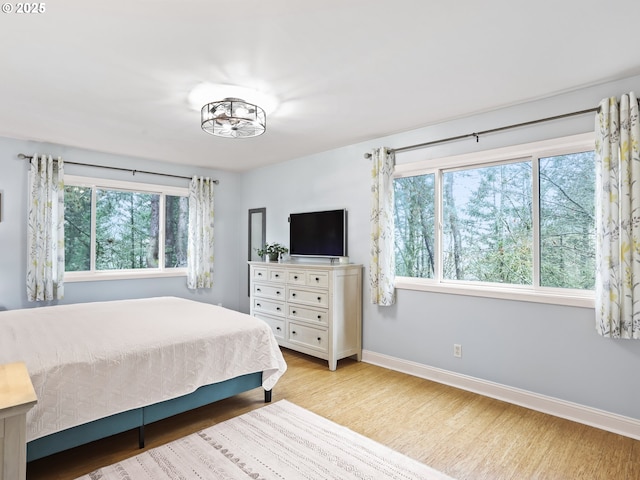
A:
(318, 234)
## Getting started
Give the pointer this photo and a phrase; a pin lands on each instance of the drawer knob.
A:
(259, 274)
(295, 277)
(294, 332)
(319, 298)
(293, 294)
(317, 279)
(258, 305)
(319, 339)
(278, 292)
(319, 317)
(278, 308)
(277, 276)
(293, 312)
(258, 290)
(278, 328)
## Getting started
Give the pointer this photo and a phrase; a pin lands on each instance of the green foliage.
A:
(77, 228)
(272, 250)
(489, 209)
(414, 226)
(567, 221)
(126, 230)
(176, 231)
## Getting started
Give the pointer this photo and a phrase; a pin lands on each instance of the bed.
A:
(106, 367)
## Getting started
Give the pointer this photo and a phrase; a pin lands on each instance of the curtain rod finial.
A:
(367, 155)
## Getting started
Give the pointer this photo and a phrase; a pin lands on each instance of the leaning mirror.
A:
(257, 234)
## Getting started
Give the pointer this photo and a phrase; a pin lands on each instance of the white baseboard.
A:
(611, 422)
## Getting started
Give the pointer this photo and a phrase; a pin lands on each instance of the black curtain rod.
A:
(133, 172)
(485, 132)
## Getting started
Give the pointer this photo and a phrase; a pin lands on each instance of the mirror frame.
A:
(255, 237)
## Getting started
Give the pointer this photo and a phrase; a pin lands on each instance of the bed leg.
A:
(141, 436)
(267, 396)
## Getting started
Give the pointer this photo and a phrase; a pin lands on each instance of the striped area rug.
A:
(280, 441)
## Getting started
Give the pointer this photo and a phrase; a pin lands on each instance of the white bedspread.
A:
(92, 360)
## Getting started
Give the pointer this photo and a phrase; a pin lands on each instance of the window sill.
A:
(554, 296)
(71, 277)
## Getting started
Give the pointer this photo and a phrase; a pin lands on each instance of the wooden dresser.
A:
(312, 308)
(16, 398)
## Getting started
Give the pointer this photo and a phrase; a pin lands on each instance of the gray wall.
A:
(13, 185)
(548, 349)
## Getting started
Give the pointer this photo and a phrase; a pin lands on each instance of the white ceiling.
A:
(114, 76)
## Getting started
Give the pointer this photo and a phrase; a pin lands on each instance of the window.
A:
(123, 230)
(486, 224)
(415, 226)
(518, 221)
(567, 221)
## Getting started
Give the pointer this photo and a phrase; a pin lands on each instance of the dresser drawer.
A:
(318, 279)
(297, 278)
(317, 315)
(277, 275)
(268, 306)
(271, 291)
(308, 297)
(310, 337)
(260, 273)
(276, 324)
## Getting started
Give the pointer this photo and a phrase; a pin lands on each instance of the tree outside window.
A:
(127, 234)
(491, 215)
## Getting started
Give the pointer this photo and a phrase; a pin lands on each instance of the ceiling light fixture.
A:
(233, 118)
(205, 92)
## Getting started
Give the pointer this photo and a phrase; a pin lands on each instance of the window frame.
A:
(525, 152)
(138, 187)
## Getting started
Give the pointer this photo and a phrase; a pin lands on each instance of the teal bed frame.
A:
(139, 417)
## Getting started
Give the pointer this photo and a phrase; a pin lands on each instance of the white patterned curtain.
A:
(382, 260)
(200, 250)
(45, 230)
(618, 218)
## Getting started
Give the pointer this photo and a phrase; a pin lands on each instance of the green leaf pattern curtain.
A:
(200, 248)
(618, 218)
(382, 260)
(45, 229)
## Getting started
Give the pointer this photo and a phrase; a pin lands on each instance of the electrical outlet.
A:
(457, 350)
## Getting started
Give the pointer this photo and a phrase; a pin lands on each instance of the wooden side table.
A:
(16, 399)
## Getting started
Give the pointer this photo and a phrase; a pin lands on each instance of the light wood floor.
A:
(463, 434)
